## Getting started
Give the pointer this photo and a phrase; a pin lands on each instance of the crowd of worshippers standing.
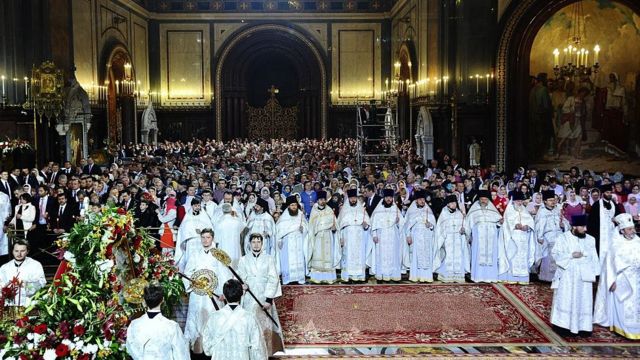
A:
(293, 212)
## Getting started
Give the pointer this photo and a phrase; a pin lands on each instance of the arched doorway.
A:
(518, 28)
(119, 78)
(262, 56)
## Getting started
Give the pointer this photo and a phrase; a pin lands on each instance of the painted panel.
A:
(83, 43)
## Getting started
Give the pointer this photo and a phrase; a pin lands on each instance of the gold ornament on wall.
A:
(273, 121)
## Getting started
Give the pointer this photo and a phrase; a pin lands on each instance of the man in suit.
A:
(91, 168)
(67, 169)
(52, 178)
(371, 198)
(64, 216)
(5, 185)
(46, 207)
(15, 180)
(126, 202)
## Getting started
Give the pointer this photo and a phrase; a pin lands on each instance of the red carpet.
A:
(538, 297)
(402, 315)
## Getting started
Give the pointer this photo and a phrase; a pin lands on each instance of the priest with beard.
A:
(355, 238)
(386, 227)
(201, 306)
(261, 222)
(258, 270)
(291, 230)
(618, 297)
(453, 259)
(229, 228)
(323, 247)
(578, 265)
(482, 224)
(517, 245)
(549, 226)
(601, 223)
(418, 229)
(189, 233)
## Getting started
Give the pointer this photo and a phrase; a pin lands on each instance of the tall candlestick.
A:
(596, 52)
(26, 88)
(487, 77)
(2, 77)
(477, 84)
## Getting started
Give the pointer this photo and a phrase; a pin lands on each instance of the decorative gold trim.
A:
(624, 333)
(505, 49)
(246, 32)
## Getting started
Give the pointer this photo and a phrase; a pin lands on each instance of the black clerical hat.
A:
(352, 193)
(518, 195)
(579, 220)
(291, 199)
(321, 194)
(387, 192)
(450, 199)
(548, 194)
(420, 194)
(262, 203)
(484, 193)
(606, 187)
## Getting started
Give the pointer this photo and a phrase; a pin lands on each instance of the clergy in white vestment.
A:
(27, 271)
(578, 265)
(258, 270)
(617, 279)
(228, 229)
(189, 233)
(601, 223)
(5, 213)
(550, 223)
(233, 333)
(201, 306)
(291, 231)
(355, 238)
(419, 226)
(228, 198)
(208, 205)
(623, 279)
(389, 249)
(152, 336)
(323, 248)
(517, 246)
(482, 224)
(452, 260)
(260, 221)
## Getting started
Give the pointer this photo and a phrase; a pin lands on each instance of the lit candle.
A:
(15, 90)
(2, 77)
(487, 77)
(477, 84)
(596, 51)
(556, 57)
(386, 82)
(446, 89)
(586, 58)
(26, 87)
(117, 87)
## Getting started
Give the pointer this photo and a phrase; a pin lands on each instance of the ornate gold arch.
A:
(300, 36)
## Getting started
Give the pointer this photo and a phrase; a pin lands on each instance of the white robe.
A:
(607, 228)
(482, 225)
(323, 247)
(260, 274)
(517, 248)
(548, 229)
(420, 224)
(265, 225)
(228, 230)
(210, 208)
(453, 259)
(625, 300)
(5, 213)
(189, 236)
(388, 259)
(30, 273)
(157, 338)
(234, 335)
(290, 243)
(572, 306)
(356, 249)
(200, 306)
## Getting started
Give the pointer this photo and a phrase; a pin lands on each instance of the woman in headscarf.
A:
(572, 205)
(167, 217)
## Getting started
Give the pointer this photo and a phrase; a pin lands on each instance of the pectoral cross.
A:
(273, 90)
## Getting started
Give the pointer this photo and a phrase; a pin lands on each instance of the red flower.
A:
(109, 251)
(24, 357)
(40, 329)
(62, 350)
(137, 242)
(122, 211)
(78, 330)
(83, 357)
(22, 322)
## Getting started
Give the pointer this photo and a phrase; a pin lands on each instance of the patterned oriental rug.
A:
(404, 315)
(538, 298)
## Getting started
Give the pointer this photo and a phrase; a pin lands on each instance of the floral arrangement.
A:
(84, 314)
(10, 145)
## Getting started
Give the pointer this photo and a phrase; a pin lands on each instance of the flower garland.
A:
(84, 314)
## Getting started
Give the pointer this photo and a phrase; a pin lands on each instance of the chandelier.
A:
(576, 59)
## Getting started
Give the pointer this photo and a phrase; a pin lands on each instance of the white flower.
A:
(90, 349)
(136, 258)
(30, 346)
(30, 336)
(106, 343)
(70, 344)
(106, 236)
(50, 354)
(70, 257)
(78, 343)
(104, 266)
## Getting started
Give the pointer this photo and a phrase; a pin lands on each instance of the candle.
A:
(596, 51)
(487, 77)
(477, 84)
(2, 77)
(386, 82)
(15, 90)
(446, 89)
(556, 57)
(26, 88)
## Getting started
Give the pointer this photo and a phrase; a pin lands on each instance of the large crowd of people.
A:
(297, 212)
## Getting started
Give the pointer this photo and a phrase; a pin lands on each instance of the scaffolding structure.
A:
(377, 135)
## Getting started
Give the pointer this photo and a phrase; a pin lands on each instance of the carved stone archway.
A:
(275, 30)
